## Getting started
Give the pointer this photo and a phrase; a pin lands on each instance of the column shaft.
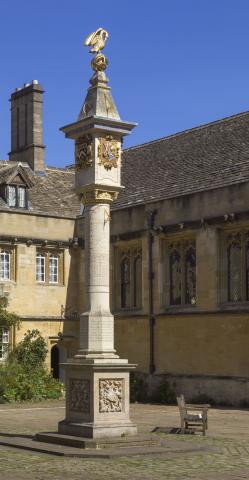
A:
(96, 324)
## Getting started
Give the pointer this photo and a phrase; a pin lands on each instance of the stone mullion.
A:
(132, 284)
(183, 279)
(47, 267)
(243, 267)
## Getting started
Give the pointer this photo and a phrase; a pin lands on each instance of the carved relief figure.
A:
(83, 152)
(110, 395)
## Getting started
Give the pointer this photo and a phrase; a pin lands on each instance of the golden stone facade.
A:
(179, 283)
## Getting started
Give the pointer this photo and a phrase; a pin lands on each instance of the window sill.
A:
(130, 311)
(44, 284)
(178, 308)
(7, 281)
(234, 306)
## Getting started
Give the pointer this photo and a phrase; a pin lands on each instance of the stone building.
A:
(179, 246)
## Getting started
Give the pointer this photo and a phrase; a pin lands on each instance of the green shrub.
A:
(24, 375)
(164, 394)
(31, 351)
(202, 398)
(138, 388)
(7, 319)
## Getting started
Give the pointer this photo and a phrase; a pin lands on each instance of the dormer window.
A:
(16, 196)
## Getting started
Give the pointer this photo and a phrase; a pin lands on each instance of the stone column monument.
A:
(97, 380)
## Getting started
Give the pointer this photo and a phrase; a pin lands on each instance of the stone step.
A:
(101, 443)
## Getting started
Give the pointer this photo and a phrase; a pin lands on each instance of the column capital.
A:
(96, 196)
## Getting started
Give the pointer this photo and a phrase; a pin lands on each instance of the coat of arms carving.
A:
(110, 395)
(83, 152)
(108, 152)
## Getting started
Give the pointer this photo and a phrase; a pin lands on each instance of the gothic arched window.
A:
(137, 268)
(190, 276)
(234, 271)
(175, 270)
(125, 282)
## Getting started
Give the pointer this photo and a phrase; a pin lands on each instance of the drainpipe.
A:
(151, 275)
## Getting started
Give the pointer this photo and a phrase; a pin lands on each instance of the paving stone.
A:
(221, 455)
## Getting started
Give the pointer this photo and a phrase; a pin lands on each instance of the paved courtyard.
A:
(226, 458)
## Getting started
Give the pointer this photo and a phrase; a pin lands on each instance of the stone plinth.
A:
(97, 404)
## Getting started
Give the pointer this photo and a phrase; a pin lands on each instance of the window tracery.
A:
(129, 277)
(182, 272)
(236, 257)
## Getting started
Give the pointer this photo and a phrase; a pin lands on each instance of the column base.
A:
(97, 398)
(91, 430)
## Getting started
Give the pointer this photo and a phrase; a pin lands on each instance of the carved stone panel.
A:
(83, 152)
(108, 152)
(79, 395)
(110, 395)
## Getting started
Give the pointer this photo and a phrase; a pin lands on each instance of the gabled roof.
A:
(9, 172)
(52, 194)
(203, 158)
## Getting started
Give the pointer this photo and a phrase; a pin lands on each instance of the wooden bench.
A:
(189, 416)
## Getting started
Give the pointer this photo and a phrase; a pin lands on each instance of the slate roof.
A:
(51, 194)
(203, 158)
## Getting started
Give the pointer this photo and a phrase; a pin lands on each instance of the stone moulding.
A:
(98, 196)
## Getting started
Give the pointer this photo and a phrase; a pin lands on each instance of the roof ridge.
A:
(188, 130)
(61, 169)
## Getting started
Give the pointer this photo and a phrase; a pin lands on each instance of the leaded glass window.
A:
(175, 269)
(22, 197)
(190, 276)
(182, 273)
(128, 279)
(138, 281)
(49, 267)
(4, 265)
(4, 342)
(12, 196)
(234, 259)
(16, 196)
(125, 283)
(247, 270)
(40, 267)
(53, 268)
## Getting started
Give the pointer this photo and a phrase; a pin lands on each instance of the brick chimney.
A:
(26, 126)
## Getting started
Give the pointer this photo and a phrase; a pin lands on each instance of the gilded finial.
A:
(97, 41)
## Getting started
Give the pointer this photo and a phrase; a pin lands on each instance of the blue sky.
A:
(173, 64)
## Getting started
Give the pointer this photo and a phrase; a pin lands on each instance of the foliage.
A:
(16, 384)
(31, 352)
(7, 319)
(139, 391)
(202, 398)
(24, 375)
(164, 394)
(138, 388)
